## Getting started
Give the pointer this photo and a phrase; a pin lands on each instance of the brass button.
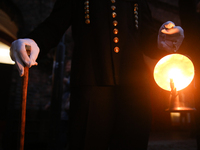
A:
(115, 23)
(86, 3)
(136, 21)
(135, 12)
(114, 14)
(116, 49)
(135, 8)
(136, 26)
(113, 7)
(116, 39)
(86, 7)
(87, 16)
(115, 31)
(136, 5)
(87, 11)
(136, 17)
(87, 21)
(113, 1)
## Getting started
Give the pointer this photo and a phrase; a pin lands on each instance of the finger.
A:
(23, 54)
(33, 56)
(33, 63)
(19, 65)
(170, 31)
(34, 53)
(169, 25)
(12, 52)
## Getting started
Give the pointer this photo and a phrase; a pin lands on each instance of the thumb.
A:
(34, 53)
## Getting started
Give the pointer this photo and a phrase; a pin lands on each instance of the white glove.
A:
(170, 37)
(19, 55)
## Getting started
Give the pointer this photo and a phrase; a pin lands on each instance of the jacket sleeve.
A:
(50, 31)
(149, 34)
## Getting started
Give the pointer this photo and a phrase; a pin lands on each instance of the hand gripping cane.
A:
(24, 98)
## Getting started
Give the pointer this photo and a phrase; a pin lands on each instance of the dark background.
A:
(19, 17)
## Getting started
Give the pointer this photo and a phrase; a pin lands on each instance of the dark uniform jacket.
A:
(109, 47)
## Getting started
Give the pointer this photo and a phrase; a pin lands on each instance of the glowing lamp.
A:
(5, 54)
(173, 73)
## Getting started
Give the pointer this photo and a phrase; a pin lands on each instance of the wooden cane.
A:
(24, 98)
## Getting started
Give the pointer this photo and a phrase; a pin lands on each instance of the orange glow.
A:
(177, 67)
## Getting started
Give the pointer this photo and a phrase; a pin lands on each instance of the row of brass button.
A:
(136, 15)
(87, 12)
(115, 23)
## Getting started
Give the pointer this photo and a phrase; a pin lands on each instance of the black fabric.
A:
(114, 117)
(94, 61)
(109, 100)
